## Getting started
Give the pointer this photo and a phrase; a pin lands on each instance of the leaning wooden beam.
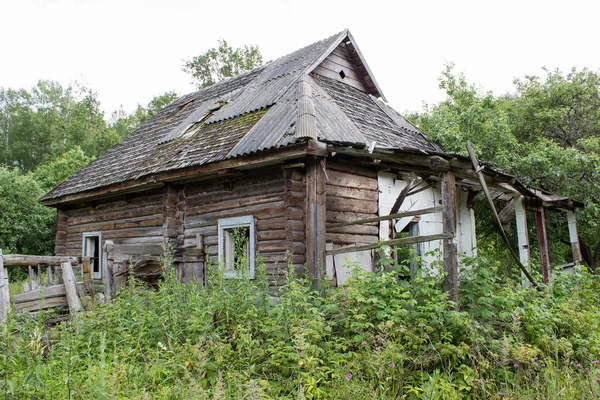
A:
(71, 288)
(513, 252)
(393, 242)
(20, 259)
(403, 214)
(4, 291)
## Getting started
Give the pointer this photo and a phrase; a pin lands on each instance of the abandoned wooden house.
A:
(299, 161)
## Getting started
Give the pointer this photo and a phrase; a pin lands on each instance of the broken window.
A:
(237, 246)
(92, 249)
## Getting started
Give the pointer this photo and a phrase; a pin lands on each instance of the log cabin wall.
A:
(351, 194)
(60, 244)
(272, 196)
(133, 219)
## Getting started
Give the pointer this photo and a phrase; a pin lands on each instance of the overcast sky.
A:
(131, 50)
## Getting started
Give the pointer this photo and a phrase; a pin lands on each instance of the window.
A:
(237, 244)
(92, 248)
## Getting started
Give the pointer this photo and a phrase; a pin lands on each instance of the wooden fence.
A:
(61, 288)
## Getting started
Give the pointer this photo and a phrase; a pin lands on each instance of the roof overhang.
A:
(436, 163)
(215, 169)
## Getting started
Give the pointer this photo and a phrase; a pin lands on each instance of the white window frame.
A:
(85, 253)
(226, 224)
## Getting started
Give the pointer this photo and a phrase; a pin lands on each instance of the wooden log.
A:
(41, 303)
(352, 193)
(71, 287)
(350, 180)
(351, 205)
(47, 292)
(449, 225)
(347, 238)
(19, 259)
(394, 242)
(4, 291)
(403, 214)
(355, 230)
(138, 222)
(148, 211)
(271, 235)
(335, 217)
(351, 167)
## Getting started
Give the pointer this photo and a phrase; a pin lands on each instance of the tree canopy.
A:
(221, 62)
(48, 133)
(547, 133)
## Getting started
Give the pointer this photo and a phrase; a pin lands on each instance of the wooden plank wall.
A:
(337, 61)
(136, 220)
(272, 196)
(351, 194)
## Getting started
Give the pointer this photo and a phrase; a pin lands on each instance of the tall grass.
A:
(379, 337)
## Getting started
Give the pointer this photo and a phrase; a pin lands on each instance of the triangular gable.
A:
(344, 62)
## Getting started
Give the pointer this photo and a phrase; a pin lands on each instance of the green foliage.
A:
(379, 337)
(46, 135)
(222, 62)
(51, 174)
(547, 133)
(25, 225)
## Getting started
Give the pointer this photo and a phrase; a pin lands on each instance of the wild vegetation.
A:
(380, 337)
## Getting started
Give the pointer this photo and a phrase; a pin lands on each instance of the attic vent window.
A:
(342, 74)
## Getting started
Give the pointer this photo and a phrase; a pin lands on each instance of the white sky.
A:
(131, 50)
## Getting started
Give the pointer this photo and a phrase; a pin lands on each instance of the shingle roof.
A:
(242, 115)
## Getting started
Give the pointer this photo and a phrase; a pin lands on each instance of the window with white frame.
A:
(92, 248)
(237, 246)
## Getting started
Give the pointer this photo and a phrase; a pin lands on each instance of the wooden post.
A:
(449, 226)
(315, 217)
(71, 287)
(198, 266)
(107, 271)
(574, 237)
(50, 275)
(32, 281)
(4, 291)
(540, 222)
(522, 234)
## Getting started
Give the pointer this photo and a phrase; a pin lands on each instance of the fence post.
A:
(71, 288)
(4, 291)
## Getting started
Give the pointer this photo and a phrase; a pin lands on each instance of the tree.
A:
(26, 226)
(56, 171)
(564, 107)
(468, 113)
(37, 126)
(547, 133)
(221, 62)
